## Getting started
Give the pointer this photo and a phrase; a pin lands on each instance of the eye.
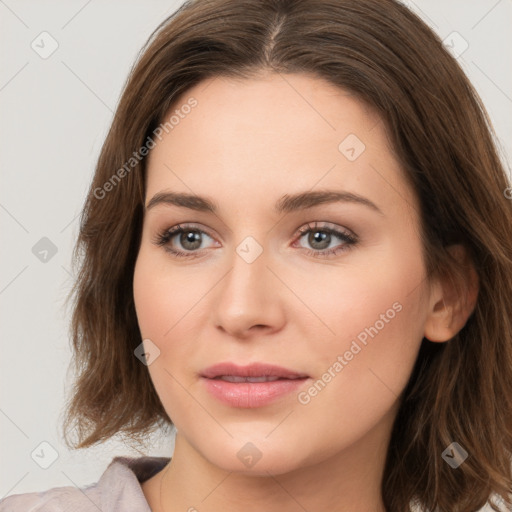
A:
(189, 237)
(320, 237)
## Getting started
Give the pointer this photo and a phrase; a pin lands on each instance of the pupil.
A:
(190, 238)
(318, 236)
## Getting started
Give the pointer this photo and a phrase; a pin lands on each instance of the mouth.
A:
(251, 386)
(237, 378)
(267, 372)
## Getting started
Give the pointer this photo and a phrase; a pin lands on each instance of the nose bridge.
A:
(247, 295)
(249, 273)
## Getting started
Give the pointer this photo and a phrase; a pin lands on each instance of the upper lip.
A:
(252, 370)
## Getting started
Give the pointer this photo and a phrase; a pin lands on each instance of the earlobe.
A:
(453, 299)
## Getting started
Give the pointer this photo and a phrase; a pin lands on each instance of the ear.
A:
(451, 305)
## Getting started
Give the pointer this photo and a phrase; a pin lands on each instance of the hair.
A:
(440, 132)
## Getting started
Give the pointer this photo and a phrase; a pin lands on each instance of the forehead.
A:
(277, 134)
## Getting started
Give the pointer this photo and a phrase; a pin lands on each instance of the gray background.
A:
(55, 114)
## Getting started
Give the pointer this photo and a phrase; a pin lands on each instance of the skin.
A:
(245, 145)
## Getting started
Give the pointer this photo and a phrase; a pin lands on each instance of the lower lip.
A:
(251, 394)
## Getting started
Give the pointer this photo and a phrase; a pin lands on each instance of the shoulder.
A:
(118, 489)
(54, 500)
(58, 499)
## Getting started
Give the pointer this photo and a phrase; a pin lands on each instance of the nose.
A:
(248, 299)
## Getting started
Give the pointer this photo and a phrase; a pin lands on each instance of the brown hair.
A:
(380, 51)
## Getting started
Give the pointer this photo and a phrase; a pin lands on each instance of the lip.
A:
(251, 394)
(252, 370)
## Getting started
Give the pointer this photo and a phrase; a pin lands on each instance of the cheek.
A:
(381, 291)
(358, 377)
(161, 302)
(372, 314)
(170, 305)
(148, 296)
(161, 297)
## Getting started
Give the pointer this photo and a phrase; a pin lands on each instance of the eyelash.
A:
(163, 238)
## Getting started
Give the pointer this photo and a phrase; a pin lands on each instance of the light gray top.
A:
(118, 490)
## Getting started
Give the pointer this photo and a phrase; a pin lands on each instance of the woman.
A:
(296, 250)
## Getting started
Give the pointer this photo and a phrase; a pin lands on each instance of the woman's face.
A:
(347, 309)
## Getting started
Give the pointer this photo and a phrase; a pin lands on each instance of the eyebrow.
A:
(286, 204)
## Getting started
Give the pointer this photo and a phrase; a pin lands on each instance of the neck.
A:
(348, 481)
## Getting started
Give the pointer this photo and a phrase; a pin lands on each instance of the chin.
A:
(258, 457)
(271, 464)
